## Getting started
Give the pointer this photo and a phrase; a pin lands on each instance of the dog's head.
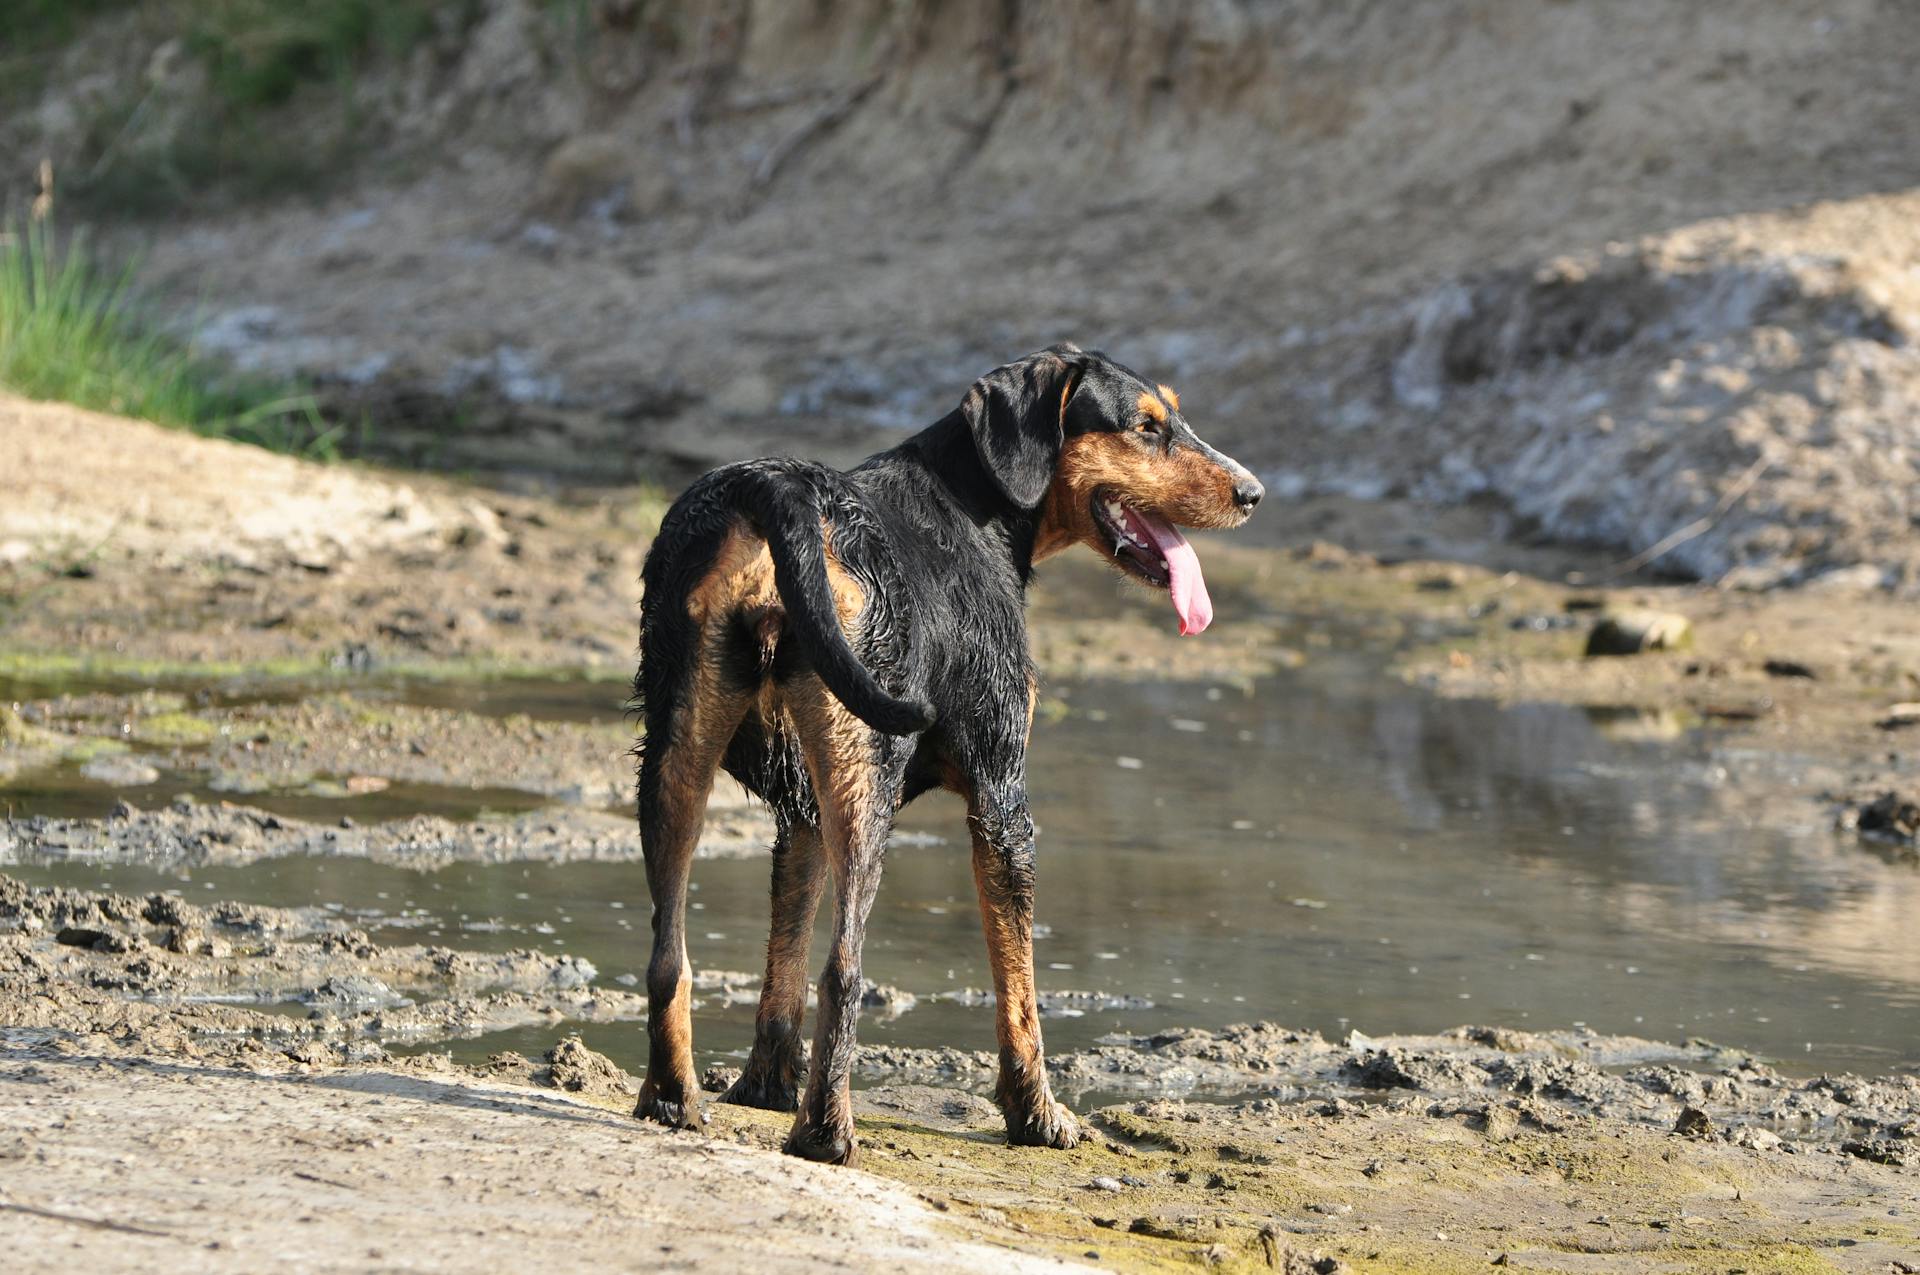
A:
(1107, 459)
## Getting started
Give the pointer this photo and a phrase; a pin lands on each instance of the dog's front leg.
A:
(1003, 861)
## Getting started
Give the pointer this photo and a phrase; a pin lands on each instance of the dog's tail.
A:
(791, 524)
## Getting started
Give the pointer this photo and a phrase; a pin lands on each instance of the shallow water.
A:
(1327, 850)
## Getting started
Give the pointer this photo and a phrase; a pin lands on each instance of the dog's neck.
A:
(946, 451)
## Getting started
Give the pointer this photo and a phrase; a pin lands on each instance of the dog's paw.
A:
(769, 1093)
(675, 1115)
(1052, 1126)
(821, 1144)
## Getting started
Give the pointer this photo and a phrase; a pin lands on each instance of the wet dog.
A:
(842, 643)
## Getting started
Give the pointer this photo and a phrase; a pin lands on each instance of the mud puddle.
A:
(1308, 850)
(68, 791)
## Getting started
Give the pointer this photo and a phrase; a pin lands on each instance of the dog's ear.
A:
(1018, 414)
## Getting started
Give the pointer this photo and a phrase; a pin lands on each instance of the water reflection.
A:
(1318, 851)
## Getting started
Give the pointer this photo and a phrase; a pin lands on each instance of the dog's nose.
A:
(1247, 492)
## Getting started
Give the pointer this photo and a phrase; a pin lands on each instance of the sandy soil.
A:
(129, 1164)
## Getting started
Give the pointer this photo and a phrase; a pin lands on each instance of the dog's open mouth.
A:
(1149, 547)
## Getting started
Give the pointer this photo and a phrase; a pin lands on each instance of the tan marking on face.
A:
(1185, 488)
(1173, 400)
(1152, 406)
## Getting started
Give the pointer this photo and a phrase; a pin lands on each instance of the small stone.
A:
(1637, 632)
(1693, 1123)
(1756, 1138)
(1107, 1184)
(1900, 716)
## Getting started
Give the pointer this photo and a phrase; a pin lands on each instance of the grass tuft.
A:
(258, 52)
(71, 330)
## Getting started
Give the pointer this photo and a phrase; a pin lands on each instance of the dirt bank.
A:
(1608, 267)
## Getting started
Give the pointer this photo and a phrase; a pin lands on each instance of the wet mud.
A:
(1246, 1148)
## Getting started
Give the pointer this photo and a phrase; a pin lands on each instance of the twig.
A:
(315, 1177)
(822, 121)
(97, 1223)
(1698, 527)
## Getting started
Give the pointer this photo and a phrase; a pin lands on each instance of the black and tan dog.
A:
(843, 642)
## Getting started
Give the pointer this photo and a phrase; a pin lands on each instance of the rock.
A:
(572, 1067)
(888, 999)
(354, 991)
(1754, 1137)
(602, 172)
(1900, 716)
(1789, 668)
(1890, 816)
(120, 771)
(1286, 1259)
(1693, 1123)
(1882, 1151)
(1637, 632)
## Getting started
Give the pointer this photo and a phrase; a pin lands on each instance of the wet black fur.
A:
(939, 533)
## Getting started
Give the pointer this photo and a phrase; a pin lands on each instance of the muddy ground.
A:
(125, 1027)
(271, 657)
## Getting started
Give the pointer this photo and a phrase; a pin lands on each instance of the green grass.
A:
(273, 107)
(36, 29)
(258, 52)
(71, 330)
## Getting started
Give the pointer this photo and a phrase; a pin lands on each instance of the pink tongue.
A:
(1185, 585)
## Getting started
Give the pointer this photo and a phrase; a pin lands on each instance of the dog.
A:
(842, 642)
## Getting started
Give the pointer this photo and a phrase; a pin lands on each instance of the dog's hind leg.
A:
(856, 775)
(1003, 863)
(678, 762)
(771, 1078)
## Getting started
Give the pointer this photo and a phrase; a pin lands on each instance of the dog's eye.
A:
(1147, 425)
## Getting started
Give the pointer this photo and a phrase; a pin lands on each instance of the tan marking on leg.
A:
(1004, 881)
(1009, 935)
(686, 762)
(794, 907)
(841, 763)
(838, 748)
